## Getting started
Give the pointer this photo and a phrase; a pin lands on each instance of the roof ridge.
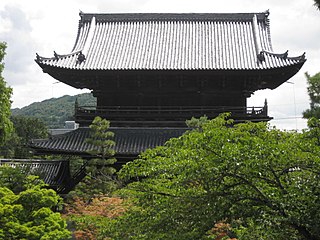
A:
(127, 17)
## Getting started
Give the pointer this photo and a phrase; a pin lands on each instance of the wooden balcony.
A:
(173, 116)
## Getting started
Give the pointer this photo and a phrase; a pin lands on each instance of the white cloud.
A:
(20, 43)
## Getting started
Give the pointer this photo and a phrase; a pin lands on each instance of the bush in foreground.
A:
(28, 214)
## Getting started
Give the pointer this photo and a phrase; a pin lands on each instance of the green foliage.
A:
(263, 182)
(101, 140)
(314, 130)
(27, 214)
(5, 104)
(55, 111)
(196, 122)
(25, 129)
(13, 178)
(314, 95)
(29, 128)
(100, 173)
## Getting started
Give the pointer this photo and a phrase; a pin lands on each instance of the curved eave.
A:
(265, 60)
(283, 69)
(280, 75)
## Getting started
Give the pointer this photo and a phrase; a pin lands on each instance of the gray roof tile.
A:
(172, 42)
(129, 141)
(52, 172)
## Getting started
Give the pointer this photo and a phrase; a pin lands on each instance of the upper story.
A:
(166, 60)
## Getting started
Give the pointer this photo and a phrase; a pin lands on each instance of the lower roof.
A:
(129, 141)
(52, 172)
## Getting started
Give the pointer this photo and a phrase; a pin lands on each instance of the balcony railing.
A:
(145, 115)
(142, 110)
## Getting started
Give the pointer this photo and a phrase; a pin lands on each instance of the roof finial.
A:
(267, 13)
(55, 55)
(38, 57)
(81, 57)
(76, 105)
(81, 14)
(265, 107)
(261, 56)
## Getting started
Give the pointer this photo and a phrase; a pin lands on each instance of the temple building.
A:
(151, 72)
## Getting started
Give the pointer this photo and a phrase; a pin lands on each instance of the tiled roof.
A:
(129, 141)
(172, 42)
(52, 172)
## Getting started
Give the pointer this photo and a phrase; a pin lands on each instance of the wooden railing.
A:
(143, 111)
(166, 114)
(165, 110)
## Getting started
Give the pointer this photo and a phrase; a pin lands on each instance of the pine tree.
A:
(100, 177)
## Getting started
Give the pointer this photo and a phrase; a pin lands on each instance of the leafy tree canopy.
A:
(25, 129)
(5, 104)
(29, 128)
(27, 214)
(262, 182)
(13, 178)
(314, 95)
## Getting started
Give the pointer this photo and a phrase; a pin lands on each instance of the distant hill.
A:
(55, 111)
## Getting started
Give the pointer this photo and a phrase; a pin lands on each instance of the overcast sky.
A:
(40, 26)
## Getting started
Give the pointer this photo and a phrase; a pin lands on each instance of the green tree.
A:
(27, 214)
(262, 181)
(100, 171)
(25, 129)
(314, 95)
(5, 104)
(13, 178)
(29, 128)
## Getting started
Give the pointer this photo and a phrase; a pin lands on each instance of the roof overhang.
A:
(261, 78)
